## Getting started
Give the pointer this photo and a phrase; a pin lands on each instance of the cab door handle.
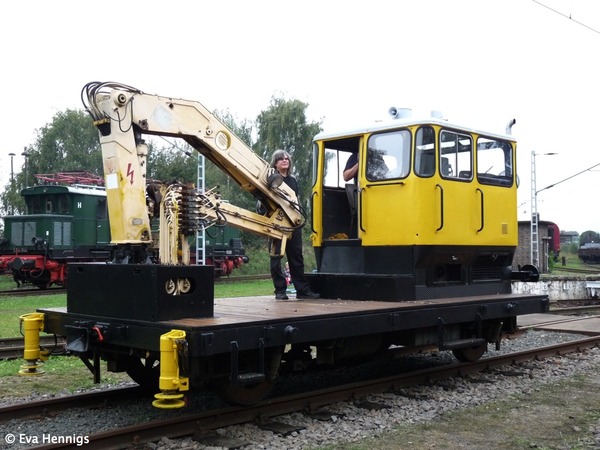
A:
(441, 207)
(482, 210)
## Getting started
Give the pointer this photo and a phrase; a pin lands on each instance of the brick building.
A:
(523, 252)
(569, 237)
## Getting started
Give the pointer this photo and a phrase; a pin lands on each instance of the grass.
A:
(12, 308)
(572, 261)
(62, 374)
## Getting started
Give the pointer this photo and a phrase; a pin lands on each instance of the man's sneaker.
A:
(281, 296)
(308, 294)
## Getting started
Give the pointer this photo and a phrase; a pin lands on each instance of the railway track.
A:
(90, 400)
(589, 270)
(12, 348)
(236, 278)
(310, 403)
(28, 292)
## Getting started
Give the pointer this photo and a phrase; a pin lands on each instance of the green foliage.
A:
(229, 189)
(68, 143)
(176, 161)
(552, 259)
(283, 125)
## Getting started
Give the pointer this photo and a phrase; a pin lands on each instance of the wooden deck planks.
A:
(253, 310)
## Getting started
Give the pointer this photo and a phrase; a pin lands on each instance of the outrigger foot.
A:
(167, 400)
(30, 369)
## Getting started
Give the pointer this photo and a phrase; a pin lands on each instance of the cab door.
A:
(460, 213)
(386, 210)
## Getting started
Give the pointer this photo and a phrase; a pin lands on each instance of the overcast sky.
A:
(480, 62)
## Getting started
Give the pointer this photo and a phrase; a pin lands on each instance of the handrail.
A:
(312, 213)
(437, 185)
(359, 209)
(482, 211)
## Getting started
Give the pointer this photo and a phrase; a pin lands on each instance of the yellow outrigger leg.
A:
(170, 383)
(31, 325)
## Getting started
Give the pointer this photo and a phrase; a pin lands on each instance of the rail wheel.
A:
(470, 354)
(144, 371)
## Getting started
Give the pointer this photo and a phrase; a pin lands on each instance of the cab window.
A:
(456, 155)
(388, 155)
(494, 162)
(337, 153)
(425, 152)
(335, 161)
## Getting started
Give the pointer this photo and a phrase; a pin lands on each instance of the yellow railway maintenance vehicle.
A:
(415, 252)
(430, 213)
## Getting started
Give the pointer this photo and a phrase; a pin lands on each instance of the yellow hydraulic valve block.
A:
(172, 344)
(31, 325)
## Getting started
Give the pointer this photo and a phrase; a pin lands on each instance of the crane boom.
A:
(124, 114)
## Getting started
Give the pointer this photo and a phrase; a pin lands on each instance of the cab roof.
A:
(391, 124)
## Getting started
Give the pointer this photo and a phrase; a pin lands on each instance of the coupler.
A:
(173, 351)
(31, 325)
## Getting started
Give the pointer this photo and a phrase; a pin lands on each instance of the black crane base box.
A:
(150, 292)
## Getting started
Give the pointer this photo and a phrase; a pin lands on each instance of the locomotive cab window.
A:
(456, 150)
(34, 205)
(425, 152)
(335, 161)
(494, 162)
(388, 155)
(63, 204)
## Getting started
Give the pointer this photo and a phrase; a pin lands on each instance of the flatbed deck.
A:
(240, 310)
(248, 320)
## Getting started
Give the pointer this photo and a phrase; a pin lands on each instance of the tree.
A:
(68, 143)
(283, 125)
(588, 237)
(175, 162)
(230, 190)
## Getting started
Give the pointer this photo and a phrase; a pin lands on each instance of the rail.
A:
(589, 270)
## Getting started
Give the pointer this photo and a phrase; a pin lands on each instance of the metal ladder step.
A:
(245, 379)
